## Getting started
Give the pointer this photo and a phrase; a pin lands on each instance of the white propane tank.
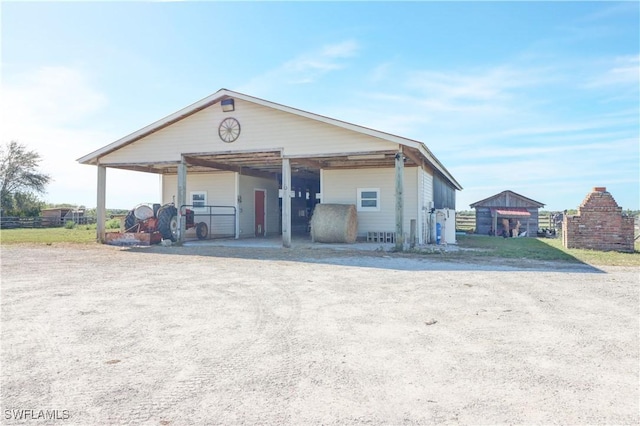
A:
(446, 218)
(143, 212)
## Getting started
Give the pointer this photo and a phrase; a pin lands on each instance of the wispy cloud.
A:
(305, 68)
(613, 10)
(622, 71)
(379, 73)
(50, 95)
(310, 66)
(46, 110)
(484, 85)
(575, 149)
(526, 124)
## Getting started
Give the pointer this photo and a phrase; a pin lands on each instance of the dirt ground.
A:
(214, 335)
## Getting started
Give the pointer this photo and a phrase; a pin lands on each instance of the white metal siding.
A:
(340, 187)
(246, 209)
(262, 128)
(220, 187)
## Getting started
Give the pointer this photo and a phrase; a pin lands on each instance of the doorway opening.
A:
(260, 202)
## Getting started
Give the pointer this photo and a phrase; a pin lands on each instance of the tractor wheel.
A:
(168, 223)
(202, 231)
(130, 222)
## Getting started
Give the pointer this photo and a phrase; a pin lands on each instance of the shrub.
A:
(113, 224)
(69, 224)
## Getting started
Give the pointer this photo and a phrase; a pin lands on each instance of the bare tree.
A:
(19, 174)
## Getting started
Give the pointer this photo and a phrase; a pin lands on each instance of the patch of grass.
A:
(83, 234)
(545, 249)
(512, 248)
(595, 257)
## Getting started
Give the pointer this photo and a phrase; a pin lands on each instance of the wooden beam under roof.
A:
(309, 163)
(136, 168)
(413, 155)
(232, 168)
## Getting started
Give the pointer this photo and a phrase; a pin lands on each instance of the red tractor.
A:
(162, 219)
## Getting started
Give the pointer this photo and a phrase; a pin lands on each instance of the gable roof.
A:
(506, 194)
(222, 94)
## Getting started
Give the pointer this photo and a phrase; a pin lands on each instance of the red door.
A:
(260, 197)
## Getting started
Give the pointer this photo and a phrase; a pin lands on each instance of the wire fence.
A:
(220, 220)
(10, 222)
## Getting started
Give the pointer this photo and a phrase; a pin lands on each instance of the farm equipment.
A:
(162, 219)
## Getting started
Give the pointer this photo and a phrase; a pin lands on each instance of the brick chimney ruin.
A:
(599, 225)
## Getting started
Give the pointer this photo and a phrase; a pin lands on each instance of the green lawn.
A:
(548, 249)
(81, 234)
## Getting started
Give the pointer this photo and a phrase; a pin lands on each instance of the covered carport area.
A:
(300, 175)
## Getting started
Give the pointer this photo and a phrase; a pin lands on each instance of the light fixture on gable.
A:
(227, 105)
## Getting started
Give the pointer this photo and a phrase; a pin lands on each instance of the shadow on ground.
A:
(430, 258)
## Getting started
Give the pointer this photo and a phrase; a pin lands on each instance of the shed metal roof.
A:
(510, 212)
(490, 201)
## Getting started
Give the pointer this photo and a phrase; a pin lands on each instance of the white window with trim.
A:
(368, 199)
(199, 200)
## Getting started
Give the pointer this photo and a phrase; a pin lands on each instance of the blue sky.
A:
(540, 98)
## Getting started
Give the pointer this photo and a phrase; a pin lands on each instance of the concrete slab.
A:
(306, 243)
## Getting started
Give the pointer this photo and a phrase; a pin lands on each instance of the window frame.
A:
(198, 208)
(362, 208)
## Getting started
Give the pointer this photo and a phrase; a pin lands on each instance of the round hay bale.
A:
(334, 223)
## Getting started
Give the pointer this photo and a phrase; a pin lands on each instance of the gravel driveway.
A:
(214, 335)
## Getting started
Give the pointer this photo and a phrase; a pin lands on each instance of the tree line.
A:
(21, 181)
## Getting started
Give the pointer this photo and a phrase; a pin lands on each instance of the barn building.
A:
(507, 212)
(241, 154)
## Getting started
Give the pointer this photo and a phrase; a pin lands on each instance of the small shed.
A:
(54, 216)
(507, 214)
(58, 216)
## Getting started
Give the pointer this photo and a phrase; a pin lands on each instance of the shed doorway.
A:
(260, 201)
(304, 194)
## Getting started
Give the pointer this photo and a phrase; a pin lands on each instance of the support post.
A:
(286, 203)
(412, 237)
(101, 206)
(182, 198)
(399, 200)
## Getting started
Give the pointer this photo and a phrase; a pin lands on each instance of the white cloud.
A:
(379, 73)
(305, 68)
(47, 110)
(50, 95)
(492, 84)
(515, 126)
(345, 49)
(624, 70)
(613, 9)
(310, 66)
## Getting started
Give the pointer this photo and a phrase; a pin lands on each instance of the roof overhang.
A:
(269, 163)
(490, 202)
(416, 151)
(514, 212)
